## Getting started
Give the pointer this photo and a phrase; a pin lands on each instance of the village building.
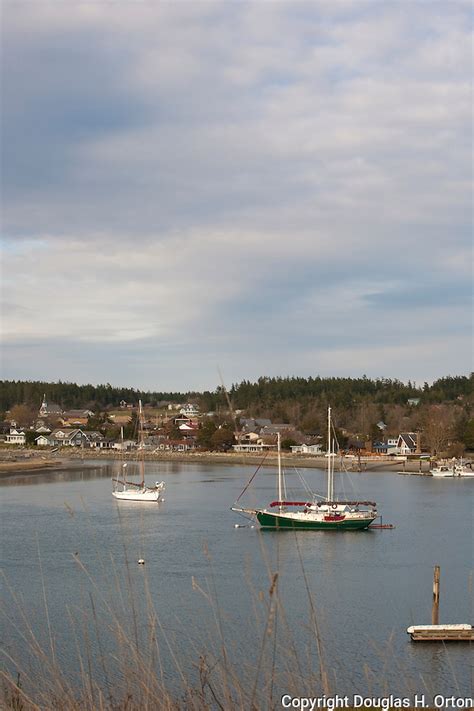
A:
(258, 446)
(64, 438)
(49, 409)
(177, 445)
(124, 446)
(408, 443)
(388, 446)
(189, 410)
(307, 449)
(15, 437)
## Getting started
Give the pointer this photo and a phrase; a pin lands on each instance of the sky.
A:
(268, 188)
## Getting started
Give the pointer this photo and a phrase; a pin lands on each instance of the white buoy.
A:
(236, 525)
(252, 526)
(162, 500)
(141, 561)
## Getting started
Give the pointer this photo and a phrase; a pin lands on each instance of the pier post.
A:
(435, 608)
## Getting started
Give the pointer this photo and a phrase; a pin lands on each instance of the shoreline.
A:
(28, 461)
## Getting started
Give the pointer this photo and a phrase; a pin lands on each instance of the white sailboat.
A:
(326, 513)
(125, 490)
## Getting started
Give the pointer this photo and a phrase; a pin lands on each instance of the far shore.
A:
(29, 461)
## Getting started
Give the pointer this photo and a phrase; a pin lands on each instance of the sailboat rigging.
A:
(328, 514)
(126, 490)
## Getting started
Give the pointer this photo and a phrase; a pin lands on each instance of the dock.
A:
(441, 633)
(436, 632)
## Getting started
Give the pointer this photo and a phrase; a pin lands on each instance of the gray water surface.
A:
(67, 541)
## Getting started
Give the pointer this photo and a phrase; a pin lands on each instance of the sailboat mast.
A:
(141, 443)
(330, 470)
(122, 472)
(280, 495)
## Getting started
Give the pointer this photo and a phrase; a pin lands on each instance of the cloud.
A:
(192, 178)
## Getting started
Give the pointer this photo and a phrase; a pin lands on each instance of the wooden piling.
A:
(435, 607)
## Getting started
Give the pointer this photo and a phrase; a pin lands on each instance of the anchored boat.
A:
(453, 469)
(328, 513)
(126, 490)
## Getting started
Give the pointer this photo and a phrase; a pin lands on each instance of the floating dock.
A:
(436, 632)
(441, 633)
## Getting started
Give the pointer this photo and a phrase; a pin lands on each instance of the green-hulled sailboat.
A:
(326, 514)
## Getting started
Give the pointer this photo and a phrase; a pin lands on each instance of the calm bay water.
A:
(65, 540)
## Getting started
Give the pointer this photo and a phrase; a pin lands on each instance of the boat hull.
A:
(275, 520)
(138, 496)
(442, 473)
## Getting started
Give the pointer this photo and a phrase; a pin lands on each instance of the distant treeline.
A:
(263, 394)
(344, 392)
(73, 396)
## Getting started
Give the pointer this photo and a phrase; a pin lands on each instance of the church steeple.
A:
(44, 406)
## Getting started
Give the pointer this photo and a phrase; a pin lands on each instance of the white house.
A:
(406, 443)
(254, 447)
(15, 437)
(307, 449)
(189, 410)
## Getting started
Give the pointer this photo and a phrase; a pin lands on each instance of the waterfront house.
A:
(15, 437)
(68, 438)
(406, 443)
(253, 447)
(307, 449)
(388, 446)
(95, 438)
(105, 443)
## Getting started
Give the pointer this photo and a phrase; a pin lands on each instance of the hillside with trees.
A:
(71, 395)
(443, 411)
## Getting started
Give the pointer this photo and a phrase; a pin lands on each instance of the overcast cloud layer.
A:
(274, 188)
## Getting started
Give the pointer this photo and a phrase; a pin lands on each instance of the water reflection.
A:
(73, 471)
